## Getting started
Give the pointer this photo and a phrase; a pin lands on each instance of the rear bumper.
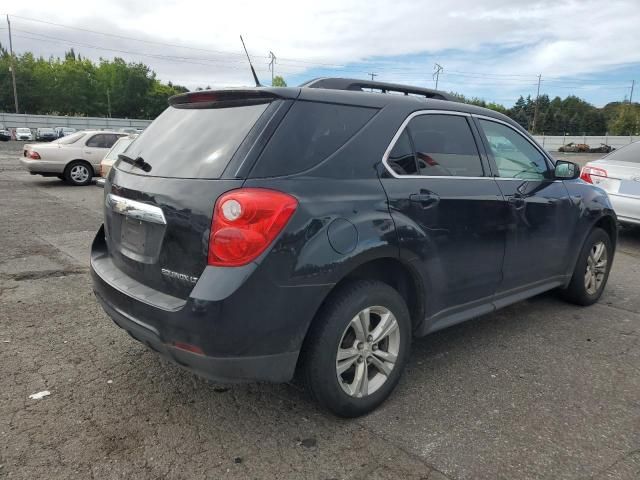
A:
(627, 208)
(273, 368)
(245, 327)
(40, 166)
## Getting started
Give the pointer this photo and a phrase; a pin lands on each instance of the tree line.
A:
(571, 115)
(75, 85)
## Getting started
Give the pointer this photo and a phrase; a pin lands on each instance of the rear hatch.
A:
(157, 222)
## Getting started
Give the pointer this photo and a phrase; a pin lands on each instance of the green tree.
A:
(628, 120)
(278, 81)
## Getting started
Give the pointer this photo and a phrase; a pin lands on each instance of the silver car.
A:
(618, 173)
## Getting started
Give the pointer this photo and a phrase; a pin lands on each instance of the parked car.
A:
(45, 134)
(253, 233)
(603, 148)
(74, 159)
(24, 134)
(112, 156)
(619, 175)
(129, 130)
(64, 131)
(5, 134)
(574, 148)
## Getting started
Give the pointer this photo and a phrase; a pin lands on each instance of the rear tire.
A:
(357, 348)
(78, 173)
(592, 269)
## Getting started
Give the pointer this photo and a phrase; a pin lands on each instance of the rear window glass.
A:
(629, 153)
(70, 139)
(118, 147)
(192, 143)
(309, 133)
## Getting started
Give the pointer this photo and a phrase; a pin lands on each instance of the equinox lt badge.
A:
(179, 276)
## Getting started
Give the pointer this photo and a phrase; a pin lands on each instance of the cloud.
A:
(504, 37)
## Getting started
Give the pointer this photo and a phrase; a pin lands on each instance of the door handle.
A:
(517, 202)
(426, 200)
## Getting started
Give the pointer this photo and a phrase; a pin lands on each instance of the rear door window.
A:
(192, 142)
(445, 146)
(97, 141)
(310, 133)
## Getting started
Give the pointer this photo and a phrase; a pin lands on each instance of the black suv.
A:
(257, 233)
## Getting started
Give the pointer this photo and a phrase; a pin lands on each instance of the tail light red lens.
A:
(587, 172)
(245, 222)
(33, 155)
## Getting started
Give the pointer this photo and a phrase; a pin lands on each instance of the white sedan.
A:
(74, 159)
(618, 173)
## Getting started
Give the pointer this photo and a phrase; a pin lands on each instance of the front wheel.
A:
(357, 348)
(592, 269)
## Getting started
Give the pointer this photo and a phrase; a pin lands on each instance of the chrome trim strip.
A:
(395, 138)
(133, 209)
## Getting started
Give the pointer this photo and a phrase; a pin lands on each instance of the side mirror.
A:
(566, 170)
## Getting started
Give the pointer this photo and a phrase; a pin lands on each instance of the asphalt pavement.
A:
(540, 390)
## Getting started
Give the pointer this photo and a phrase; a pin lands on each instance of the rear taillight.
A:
(587, 172)
(245, 222)
(33, 155)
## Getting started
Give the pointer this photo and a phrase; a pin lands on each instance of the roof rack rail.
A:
(358, 85)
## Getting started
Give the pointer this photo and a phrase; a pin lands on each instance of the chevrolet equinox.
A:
(253, 234)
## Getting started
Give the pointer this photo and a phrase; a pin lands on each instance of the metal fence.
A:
(15, 120)
(553, 142)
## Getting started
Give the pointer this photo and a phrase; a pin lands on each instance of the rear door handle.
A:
(425, 199)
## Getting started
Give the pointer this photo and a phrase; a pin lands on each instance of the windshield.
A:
(119, 147)
(192, 142)
(70, 139)
(46, 130)
(629, 153)
(23, 130)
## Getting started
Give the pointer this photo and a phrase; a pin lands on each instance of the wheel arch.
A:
(390, 270)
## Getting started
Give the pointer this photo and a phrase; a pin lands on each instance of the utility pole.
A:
(272, 65)
(373, 75)
(436, 73)
(12, 67)
(108, 103)
(535, 109)
(633, 84)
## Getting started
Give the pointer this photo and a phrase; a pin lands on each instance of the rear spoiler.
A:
(230, 98)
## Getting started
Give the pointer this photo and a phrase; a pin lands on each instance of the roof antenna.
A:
(255, 77)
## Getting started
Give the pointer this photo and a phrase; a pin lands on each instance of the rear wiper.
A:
(138, 162)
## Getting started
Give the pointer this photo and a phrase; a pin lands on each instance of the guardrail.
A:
(552, 143)
(15, 120)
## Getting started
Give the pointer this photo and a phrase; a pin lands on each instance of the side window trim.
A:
(404, 126)
(494, 168)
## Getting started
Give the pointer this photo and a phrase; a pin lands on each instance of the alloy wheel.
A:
(596, 268)
(79, 173)
(368, 351)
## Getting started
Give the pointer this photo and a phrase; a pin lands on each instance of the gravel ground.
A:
(541, 389)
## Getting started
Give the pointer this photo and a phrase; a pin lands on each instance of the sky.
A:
(490, 49)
